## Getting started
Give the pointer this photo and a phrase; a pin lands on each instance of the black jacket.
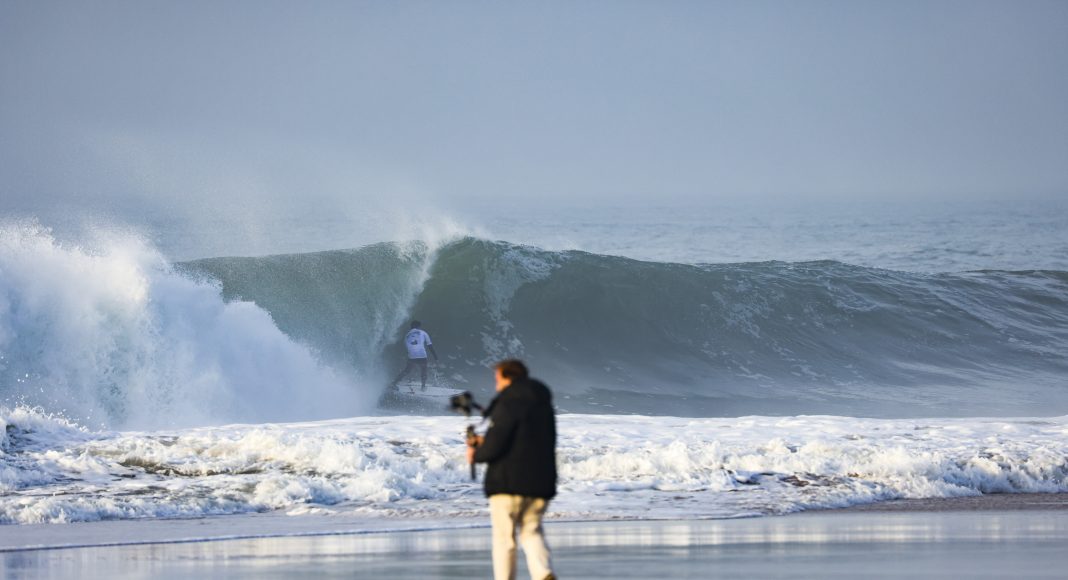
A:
(520, 446)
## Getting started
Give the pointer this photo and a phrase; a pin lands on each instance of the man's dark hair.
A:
(512, 369)
(416, 324)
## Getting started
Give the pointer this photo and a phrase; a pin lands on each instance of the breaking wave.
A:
(115, 336)
(112, 334)
(612, 334)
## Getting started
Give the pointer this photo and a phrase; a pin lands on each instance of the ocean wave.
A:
(613, 334)
(115, 336)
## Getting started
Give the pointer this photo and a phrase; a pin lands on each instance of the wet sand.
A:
(987, 537)
(989, 502)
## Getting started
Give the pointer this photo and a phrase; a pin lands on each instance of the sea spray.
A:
(114, 335)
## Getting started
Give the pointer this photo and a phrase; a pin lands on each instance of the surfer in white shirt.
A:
(418, 343)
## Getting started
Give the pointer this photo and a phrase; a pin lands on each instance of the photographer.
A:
(520, 448)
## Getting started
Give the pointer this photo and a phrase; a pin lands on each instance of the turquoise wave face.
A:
(617, 335)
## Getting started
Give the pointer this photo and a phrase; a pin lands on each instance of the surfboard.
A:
(432, 392)
(409, 394)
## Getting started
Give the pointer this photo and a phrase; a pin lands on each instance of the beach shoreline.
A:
(273, 525)
(1000, 502)
(990, 538)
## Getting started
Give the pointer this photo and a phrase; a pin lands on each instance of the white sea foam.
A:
(610, 466)
(114, 336)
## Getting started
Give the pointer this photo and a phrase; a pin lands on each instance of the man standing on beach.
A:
(520, 448)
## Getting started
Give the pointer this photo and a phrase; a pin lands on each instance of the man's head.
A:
(417, 324)
(509, 370)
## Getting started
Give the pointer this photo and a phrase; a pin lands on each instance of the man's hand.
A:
(472, 444)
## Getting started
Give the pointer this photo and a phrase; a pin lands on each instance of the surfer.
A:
(418, 344)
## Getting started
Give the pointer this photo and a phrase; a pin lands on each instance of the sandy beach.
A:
(993, 536)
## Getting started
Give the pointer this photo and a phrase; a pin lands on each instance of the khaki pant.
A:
(511, 513)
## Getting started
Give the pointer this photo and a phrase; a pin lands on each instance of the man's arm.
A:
(499, 437)
(429, 344)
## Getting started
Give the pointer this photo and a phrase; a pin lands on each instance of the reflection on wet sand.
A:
(824, 544)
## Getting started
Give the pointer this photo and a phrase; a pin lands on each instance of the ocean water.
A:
(746, 360)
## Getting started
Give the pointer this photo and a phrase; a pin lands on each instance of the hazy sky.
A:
(223, 105)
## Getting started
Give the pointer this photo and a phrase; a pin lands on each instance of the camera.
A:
(464, 403)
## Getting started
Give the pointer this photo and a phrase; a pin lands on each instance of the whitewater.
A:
(611, 467)
(133, 386)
